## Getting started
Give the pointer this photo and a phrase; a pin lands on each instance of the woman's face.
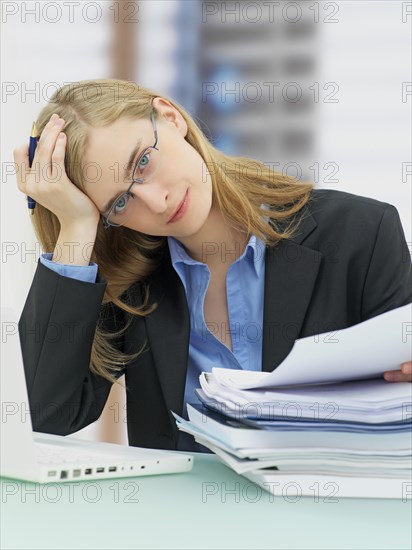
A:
(180, 170)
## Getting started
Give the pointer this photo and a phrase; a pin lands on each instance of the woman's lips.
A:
(182, 209)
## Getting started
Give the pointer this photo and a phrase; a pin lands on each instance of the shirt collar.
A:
(254, 253)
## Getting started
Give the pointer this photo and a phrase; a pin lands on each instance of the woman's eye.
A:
(144, 161)
(121, 204)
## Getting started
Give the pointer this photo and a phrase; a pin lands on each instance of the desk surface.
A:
(210, 507)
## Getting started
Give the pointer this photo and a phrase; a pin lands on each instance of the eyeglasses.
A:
(146, 165)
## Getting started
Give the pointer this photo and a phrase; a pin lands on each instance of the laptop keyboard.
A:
(51, 454)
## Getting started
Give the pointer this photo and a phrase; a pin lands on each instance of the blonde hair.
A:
(125, 256)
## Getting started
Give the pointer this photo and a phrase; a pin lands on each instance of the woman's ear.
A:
(170, 114)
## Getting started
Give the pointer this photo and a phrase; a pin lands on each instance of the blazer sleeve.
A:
(388, 283)
(56, 329)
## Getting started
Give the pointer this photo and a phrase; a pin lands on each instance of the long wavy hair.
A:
(245, 190)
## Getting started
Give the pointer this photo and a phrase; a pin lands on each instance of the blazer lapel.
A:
(291, 270)
(168, 332)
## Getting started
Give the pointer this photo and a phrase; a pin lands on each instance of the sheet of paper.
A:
(295, 435)
(365, 350)
(373, 401)
(305, 459)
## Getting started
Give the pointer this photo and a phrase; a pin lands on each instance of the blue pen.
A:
(31, 203)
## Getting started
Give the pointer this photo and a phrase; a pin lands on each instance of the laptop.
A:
(46, 458)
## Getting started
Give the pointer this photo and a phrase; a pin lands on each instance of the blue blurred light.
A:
(225, 102)
(226, 144)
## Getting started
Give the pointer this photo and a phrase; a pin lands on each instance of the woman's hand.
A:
(53, 189)
(403, 375)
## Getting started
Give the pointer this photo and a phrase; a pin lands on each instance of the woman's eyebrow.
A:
(130, 162)
(126, 172)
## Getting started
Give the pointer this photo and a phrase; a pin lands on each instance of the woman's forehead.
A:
(118, 132)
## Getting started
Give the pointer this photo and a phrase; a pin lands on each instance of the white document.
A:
(394, 463)
(365, 350)
(268, 442)
(373, 401)
(331, 488)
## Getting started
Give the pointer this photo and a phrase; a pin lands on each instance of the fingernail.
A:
(54, 116)
(407, 369)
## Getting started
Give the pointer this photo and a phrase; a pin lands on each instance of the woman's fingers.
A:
(56, 169)
(49, 125)
(45, 154)
(59, 149)
(47, 142)
(407, 367)
(47, 181)
(403, 375)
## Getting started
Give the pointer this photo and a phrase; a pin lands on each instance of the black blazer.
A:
(348, 262)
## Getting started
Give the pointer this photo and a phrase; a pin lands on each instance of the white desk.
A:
(210, 507)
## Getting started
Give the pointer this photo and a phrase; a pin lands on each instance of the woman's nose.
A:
(154, 196)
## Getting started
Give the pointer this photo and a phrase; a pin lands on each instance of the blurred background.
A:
(320, 91)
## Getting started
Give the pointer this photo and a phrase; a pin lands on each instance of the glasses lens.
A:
(120, 211)
(148, 165)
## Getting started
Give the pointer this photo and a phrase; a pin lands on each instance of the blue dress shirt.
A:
(245, 299)
(85, 273)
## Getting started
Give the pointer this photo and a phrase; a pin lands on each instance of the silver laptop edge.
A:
(20, 446)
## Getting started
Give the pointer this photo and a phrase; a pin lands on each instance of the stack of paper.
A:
(324, 410)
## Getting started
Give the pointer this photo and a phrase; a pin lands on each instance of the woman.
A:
(166, 257)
